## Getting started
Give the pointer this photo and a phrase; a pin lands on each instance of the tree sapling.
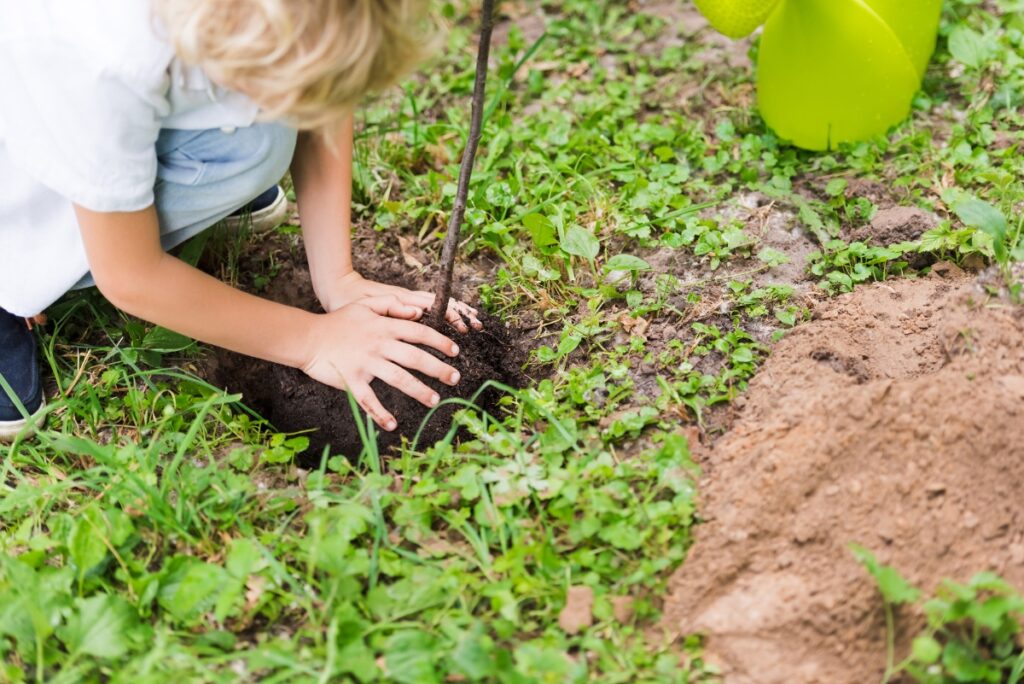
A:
(443, 288)
(301, 405)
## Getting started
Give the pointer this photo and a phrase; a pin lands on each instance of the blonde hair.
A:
(309, 61)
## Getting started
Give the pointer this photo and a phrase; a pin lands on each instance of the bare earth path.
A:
(895, 420)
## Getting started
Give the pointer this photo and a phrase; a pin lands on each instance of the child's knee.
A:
(214, 171)
(205, 175)
(271, 163)
(264, 154)
(236, 160)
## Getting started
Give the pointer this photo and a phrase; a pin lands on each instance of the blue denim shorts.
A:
(203, 176)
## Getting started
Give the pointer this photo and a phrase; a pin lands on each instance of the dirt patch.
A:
(292, 402)
(578, 613)
(883, 195)
(894, 420)
(880, 194)
(685, 25)
(780, 230)
(894, 225)
(704, 296)
(527, 17)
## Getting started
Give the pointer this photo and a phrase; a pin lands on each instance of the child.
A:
(128, 126)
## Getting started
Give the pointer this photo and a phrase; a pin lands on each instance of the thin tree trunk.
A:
(443, 287)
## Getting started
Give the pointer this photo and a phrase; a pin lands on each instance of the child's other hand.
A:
(355, 288)
(368, 339)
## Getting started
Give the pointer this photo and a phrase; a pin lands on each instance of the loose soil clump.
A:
(893, 225)
(894, 420)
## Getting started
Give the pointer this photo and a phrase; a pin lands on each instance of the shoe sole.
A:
(264, 220)
(9, 429)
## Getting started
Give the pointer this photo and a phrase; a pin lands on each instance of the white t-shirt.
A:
(85, 87)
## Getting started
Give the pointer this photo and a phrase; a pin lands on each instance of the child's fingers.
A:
(392, 307)
(403, 381)
(369, 402)
(417, 333)
(420, 298)
(408, 356)
(459, 312)
(455, 319)
(426, 299)
(464, 309)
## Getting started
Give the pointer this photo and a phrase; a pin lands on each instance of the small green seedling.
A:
(1004, 243)
(973, 629)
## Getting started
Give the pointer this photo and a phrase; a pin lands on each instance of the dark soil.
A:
(292, 402)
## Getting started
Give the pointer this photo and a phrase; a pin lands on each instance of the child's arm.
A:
(345, 349)
(323, 186)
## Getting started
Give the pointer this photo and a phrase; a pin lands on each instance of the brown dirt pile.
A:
(894, 420)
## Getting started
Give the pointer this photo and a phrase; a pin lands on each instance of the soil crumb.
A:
(578, 613)
(894, 225)
(894, 420)
(880, 194)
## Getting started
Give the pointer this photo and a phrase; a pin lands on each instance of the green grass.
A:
(157, 530)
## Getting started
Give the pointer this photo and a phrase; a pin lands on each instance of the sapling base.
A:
(293, 402)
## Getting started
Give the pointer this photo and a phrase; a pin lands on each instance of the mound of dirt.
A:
(894, 420)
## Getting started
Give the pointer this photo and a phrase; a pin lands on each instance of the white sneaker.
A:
(263, 214)
(9, 429)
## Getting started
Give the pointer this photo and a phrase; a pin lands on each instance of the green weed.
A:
(973, 629)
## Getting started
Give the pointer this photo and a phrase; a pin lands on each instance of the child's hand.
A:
(368, 339)
(354, 288)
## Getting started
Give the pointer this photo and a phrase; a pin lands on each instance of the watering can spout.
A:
(818, 58)
(736, 18)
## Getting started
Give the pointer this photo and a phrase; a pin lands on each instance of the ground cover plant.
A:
(646, 238)
(973, 629)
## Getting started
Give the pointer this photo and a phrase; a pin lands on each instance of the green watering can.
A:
(833, 71)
